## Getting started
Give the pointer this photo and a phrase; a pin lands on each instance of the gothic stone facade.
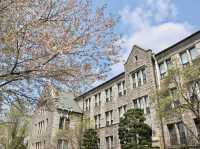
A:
(56, 113)
(143, 73)
(133, 88)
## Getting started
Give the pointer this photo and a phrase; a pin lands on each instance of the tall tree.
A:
(133, 131)
(179, 93)
(14, 128)
(90, 139)
(65, 42)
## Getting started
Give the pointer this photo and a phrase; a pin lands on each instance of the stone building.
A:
(106, 103)
(143, 73)
(179, 55)
(55, 113)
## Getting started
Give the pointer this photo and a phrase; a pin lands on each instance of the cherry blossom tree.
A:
(69, 43)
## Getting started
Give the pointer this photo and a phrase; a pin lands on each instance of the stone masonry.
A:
(106, 103)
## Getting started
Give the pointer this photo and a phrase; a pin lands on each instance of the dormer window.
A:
(188, 55)
(193, 53)
(163, 70)
(164, 66)
(184, 58)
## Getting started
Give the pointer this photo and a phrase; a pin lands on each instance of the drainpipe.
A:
(157, 83)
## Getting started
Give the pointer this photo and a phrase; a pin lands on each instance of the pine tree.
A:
(90, 139)
(133, 132)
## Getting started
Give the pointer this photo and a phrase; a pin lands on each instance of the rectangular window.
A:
(182, 133)
(109, 118)
(175, 97)
(142, 103)
(99, 120)
(87, 104)
(95, 121)
(162, 70)
(172, 134)
(146, 105)
(67, 123)
(139, 76)
(124, 87)
(61, 122)
(144, 76)
(38, 145)
(169, 63)
(99, 141)
(119, 85)
(59, 145)
(193, 53)
(65, 144)
(184, 58)
(134, 80)
(47, 121)
(197, 125)
(121, 88)
(97, 98)
(164, 67)
(62, 144)
(107, 96)
(109, 142)
(122, 110)
(148, 110)
(108, 93)
(135, 104)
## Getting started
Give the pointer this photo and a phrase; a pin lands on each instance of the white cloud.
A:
(147, 13)
(158, 37)
(153, 25)
(161, 9)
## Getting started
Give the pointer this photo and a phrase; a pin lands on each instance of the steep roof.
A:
(101, 85)
(173, 47)
(159, 54)
(66, 102)
(132, 50)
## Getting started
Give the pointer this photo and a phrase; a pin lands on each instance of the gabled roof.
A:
(58, 99)
(138, 47)
(101, 85)
(177, 44)
(66, 102)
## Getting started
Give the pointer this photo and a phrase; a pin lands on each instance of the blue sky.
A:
(152, 24)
